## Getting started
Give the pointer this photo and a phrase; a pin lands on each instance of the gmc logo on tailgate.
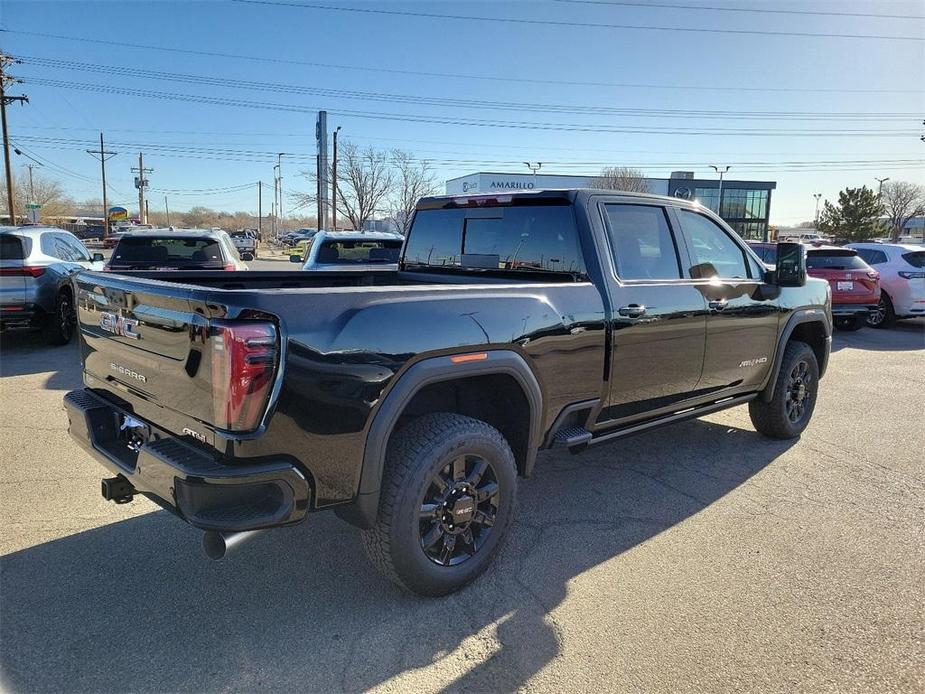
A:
(117, 325)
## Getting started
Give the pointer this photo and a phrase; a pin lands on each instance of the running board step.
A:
(573, 437)
(692, 413)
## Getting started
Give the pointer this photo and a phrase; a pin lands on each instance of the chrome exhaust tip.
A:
(219, 545)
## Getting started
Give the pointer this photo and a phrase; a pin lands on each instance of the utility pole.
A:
(321, 137)
(147, 211)
(719, 200)
(259, 210)
(5, 79)
(31, 186)
(167, 210)
(881, 181)
(103, 155)
(816, 217)
(141, 183)
(334, 184)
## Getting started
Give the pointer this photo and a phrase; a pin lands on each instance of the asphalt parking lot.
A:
(701, 557)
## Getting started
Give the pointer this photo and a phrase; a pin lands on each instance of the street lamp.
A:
(534, 168)
(881, 181)
(816, 217)
(334, 184)
(719, 200)
(279, 165)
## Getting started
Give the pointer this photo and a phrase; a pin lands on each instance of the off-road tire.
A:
(416, 453)
(59, 326)
(772, 419)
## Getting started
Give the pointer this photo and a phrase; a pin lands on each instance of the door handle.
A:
(632, 311)
(718, 304)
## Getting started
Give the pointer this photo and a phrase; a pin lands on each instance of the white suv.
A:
(902, 280)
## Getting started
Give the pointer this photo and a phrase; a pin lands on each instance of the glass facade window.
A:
(740, 203)
(708, 197)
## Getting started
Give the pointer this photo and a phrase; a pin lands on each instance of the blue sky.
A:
(195, 146)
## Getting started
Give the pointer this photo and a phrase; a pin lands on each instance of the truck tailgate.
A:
(148, 341)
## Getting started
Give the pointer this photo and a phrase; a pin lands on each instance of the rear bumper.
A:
(186, 480)
(20, 316)
(853, 309)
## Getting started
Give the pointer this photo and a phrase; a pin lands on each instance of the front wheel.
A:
(794, 397)
(448, 494)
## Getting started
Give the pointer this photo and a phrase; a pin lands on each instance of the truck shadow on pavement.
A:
(23, 353)
(134, 606)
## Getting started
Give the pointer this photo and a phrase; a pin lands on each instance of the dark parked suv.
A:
(410, 401)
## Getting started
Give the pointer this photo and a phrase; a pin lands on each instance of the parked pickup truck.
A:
(410, 401)
(245, 241)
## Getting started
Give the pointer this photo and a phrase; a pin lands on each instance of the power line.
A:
(820, 13)
(572, 23)
(473, 122)
(571, 109)
(452, 75)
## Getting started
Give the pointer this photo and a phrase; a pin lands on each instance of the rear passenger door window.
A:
(642, 243)
(871, 256)
(713, 252)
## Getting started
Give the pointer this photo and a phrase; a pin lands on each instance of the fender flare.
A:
(799, 317)
(419, 375)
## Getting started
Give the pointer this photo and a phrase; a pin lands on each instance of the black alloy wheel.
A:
(458, 510)
(800, 392)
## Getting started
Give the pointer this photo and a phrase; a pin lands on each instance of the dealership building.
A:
(746, 205)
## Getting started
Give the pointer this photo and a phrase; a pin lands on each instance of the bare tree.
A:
(413, 181)
(364, 181)
(621, 178)
(901, 202)
(47, 192)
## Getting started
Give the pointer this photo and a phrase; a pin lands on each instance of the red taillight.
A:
(244, 358)
(229, 267)
(25, 271)
(107, 268)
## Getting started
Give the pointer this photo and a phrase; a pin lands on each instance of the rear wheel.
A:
(60, 326)
(448, 493)
(794, 397)
(884, 316)
(850, 323)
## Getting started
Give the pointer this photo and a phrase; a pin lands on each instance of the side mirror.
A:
(295, 259)
(247, 256)
(790, 267)
(97, 258)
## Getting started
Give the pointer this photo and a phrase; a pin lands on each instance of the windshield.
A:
(835, 260)
(358, 252)
(168, 249)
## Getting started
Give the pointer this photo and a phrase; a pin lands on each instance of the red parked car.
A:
(855, 284)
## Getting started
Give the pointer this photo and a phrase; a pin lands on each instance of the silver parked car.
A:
(36, 264)
(351, 250)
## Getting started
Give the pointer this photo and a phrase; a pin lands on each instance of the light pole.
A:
(881, 181)
(334, 184)
(816, 217)
(719, 199)
(276, 187)
(534, 168)
(279, 165)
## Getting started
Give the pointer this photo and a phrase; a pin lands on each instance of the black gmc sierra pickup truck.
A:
(410, 401)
